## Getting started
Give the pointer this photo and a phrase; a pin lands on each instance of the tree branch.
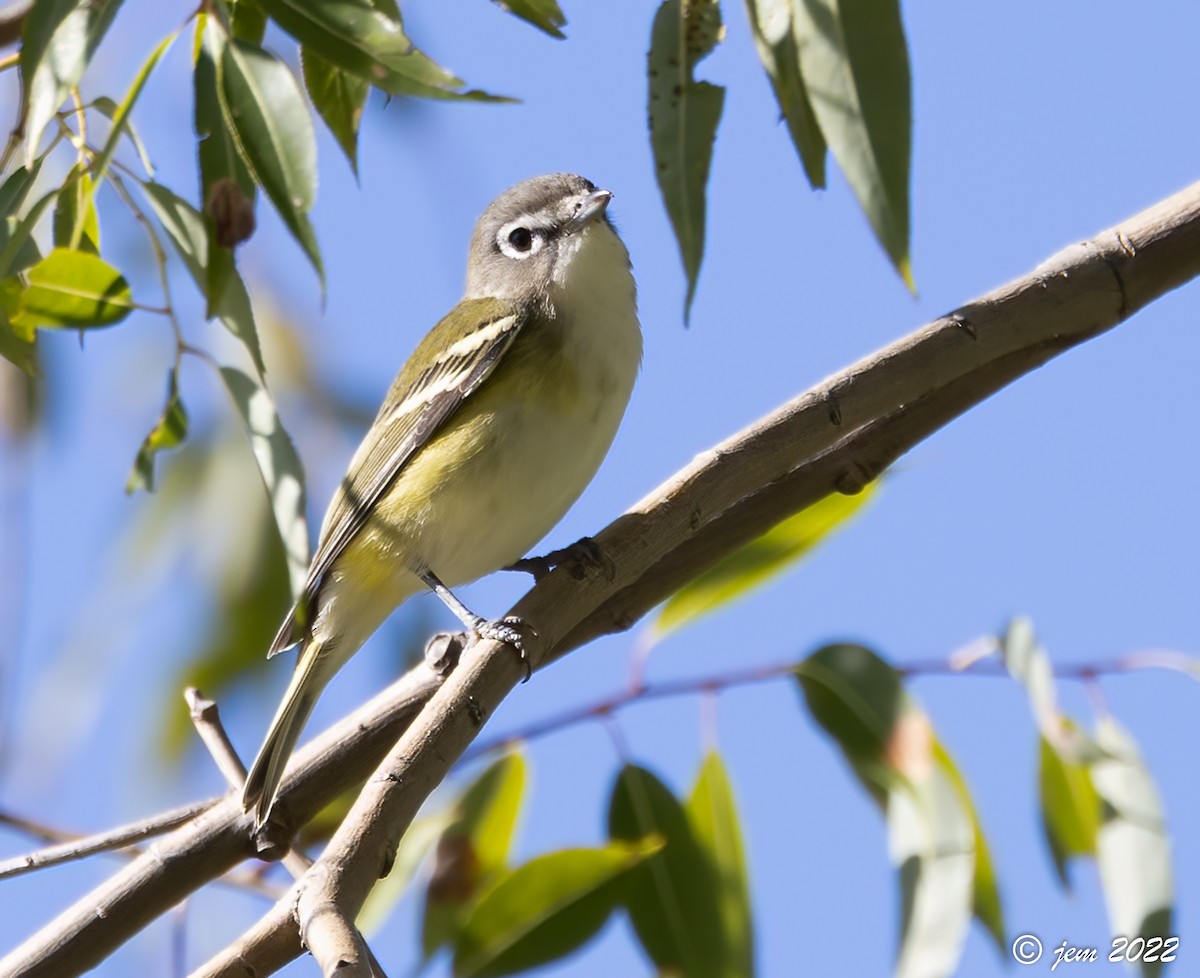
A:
(834, 438)
(831, 439)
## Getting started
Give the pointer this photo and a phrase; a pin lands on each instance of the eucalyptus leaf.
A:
(73, 290)
(1069, 805)
(364, 40)
(17, 348)
(545, 909)
(773, 26)
(854, 60)
(545, 15)
(265, 110)
(168, 432)
(684, 114)
(714, 818)
(473, 849)
(75, 212)
(416, 844)
(672, 899)
(188, 231)
(1132, 845)
(338, 97)
(18, 246)
(279, 465)
(59, 38)
(758, 562)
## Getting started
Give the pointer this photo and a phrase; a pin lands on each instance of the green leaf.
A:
(248, 20)
(77, 209)
(854, 58)
(985, 897)
(120, 121)
(684, 114)
(473, 850)
(73, 290)
(188, 231)
(772, 22)
(17, 348)
(755, 564)
(933, 833)
(672, 899)
(18, 251)
(1132, 845)
(168, 432)
(221, 168)
(367, 42)
(1070, 807)
(545, 15)
(545, 909)
(279, 465)
(16, 187)
(857, 699)
(339, 99)
(1028, 663)
(414, 847)
(931, 839)
(265, 110)
(59, 38)
(713, 814)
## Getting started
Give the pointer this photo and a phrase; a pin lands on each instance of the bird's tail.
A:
(313, 671)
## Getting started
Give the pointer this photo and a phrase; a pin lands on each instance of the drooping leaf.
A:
(76, 208)
(248, 20)
(890, 745)
(545, 15)
(985, 898)
(714, 818)
(931, 839)
(759, 561)
(772, 22)
(187, 229)
(1132, 845)
(364, 40)
(338, 97)
(265, 110)
(1070, 807)
(17, 348)
(473, 849)
(18, 251)
(73, 290)
(546, 909)
(684, 114)
(282, 473)
(16, 187)
(120, 120)
(854, 59)
(58, 40)
(1028, 663)
(223, 174)
(672, 899)
(168, 432)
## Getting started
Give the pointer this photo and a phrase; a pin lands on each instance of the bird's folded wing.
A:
(459, 353)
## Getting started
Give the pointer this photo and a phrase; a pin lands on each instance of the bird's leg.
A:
(580, 557)
(505, 631)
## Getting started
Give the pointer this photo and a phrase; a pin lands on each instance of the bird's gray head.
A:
(528, 239)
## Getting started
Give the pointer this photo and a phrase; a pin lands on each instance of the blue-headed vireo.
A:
(492, 429)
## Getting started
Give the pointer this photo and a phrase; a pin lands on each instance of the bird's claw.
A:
(508, 631)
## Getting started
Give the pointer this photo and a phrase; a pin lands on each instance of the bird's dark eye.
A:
(521, 238)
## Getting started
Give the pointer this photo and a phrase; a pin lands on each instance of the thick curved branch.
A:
(835, 438)
(832, 438)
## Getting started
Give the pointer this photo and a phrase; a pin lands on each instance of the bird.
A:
(494, 426)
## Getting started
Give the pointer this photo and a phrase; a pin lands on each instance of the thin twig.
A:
(73, 848)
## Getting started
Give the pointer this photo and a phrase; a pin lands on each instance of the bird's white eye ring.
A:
(518, 240)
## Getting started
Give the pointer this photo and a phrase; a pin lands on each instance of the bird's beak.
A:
(591, 207)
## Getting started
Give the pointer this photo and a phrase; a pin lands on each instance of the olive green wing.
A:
(459, 353)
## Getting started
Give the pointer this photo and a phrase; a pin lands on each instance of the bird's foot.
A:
(509, 631)
(580, 558)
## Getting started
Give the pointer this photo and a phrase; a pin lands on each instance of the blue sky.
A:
(1068, 497)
